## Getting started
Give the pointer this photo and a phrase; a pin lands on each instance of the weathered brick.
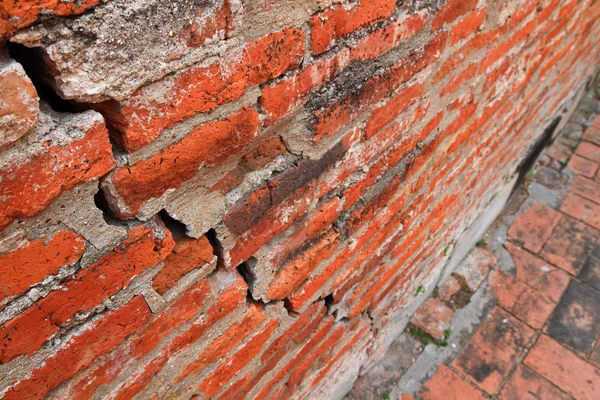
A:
(19, 102)
(25, 333)
(339, 21)
(32, 178)
(207, 145)
(30, 264)
(142, 117)
(188, 254)
(451, 11)
(82, 349)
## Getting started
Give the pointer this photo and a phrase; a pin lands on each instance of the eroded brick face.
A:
(234, 199)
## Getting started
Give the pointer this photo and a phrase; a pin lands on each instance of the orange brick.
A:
(446, 384)
(534, 226)
(564, 369)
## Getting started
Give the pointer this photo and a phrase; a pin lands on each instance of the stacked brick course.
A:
(242, 199)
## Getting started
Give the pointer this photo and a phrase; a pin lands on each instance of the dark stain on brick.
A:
(576, 319)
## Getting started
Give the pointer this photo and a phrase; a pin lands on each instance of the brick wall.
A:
(245, 198)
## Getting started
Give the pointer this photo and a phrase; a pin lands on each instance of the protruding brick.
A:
(207, 145)
(70, 149)
(19, 102)
(188, 254)
(475, 268)
(142, 117)
(434, 317)
(30, 264)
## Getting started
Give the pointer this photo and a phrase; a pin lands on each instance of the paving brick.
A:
(586, 188)
(583, 166)
(534, 226)
(559, 151)
(525, 384)
(527, 304)
(576, 319)
(538, 273)
(447, 385)
(589, 151)
(582, 209)
(475, 268)
(595, 357)
(449, 289)
(592, 134)
(569, 246)
(493, 350)
(590, 273)
(434, 317)
(564, 369)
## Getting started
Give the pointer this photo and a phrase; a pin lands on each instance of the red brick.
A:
(188, 254)
(533, 227)
(451, 11)
(585, 188)
(339, 21)
(15, 15)
(296, 270)
(142, 117)
(458, 81)
(592, 134)
(589, 151)
(583, 166)
(449, 289)
(475, 268)
(467, 25)
(564, 369)
(434, 317)
(527, 304)
(216, 380)
(447, 385)
(225, 342)
(582, 209)
(25, 333)
(382, 40)
(493, 350)
(537, 273)
(207, 145)
(569, 245)
(383, 115)
(280, 99)
(19, 102)
(82, 349)
(30, 186)
(29, 265)
(334, 116)
(527, 385)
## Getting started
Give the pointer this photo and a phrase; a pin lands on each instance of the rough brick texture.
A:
(239, 199)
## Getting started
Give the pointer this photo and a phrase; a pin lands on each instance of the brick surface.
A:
(586, 188)
(448, 385)
(532, 228)
(538, 273)
(433, 317)
(576, 319)
(564, 369)
(527, 385)
(582, 209)
(583, 166)
(493, 350)
(527, 304)
(245, 199)
(475, 268)
(569, 246)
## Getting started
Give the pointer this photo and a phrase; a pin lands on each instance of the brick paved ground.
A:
(534, 285)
